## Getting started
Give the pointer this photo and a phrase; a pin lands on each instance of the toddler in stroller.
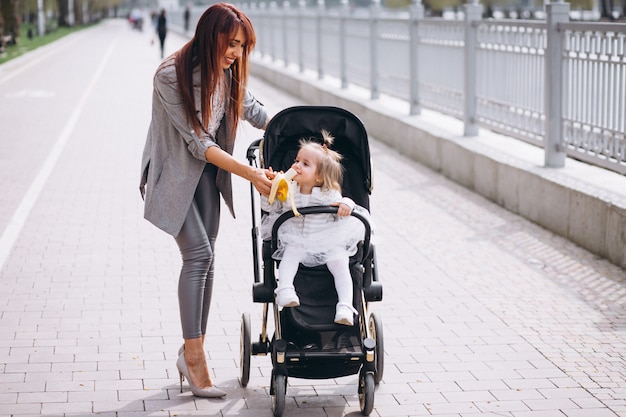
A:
(318, 239)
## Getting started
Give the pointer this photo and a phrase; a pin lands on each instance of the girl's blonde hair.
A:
(329, 166)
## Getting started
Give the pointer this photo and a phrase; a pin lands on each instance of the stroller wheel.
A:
(279, 384)
(366, 392)
(376, 331)
(245, 346)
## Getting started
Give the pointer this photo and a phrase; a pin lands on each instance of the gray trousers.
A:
(196, 242)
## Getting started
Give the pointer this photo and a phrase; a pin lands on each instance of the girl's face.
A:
(234, 50)
(305, 166)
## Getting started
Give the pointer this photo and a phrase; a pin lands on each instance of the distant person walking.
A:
(154, 19)
(161, 30)
(186, 19)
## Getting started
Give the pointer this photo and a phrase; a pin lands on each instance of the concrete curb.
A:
(582, 203)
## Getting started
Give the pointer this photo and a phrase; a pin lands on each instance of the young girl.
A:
(320, 238)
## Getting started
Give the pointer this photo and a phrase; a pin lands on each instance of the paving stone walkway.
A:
(484, 313)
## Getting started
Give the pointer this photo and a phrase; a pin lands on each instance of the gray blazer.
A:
(174, 155)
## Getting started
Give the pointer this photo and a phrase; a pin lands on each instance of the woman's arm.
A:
(254, 111)
(260, 178)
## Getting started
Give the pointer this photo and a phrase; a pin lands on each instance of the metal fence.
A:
(594, 104)
(553, 83)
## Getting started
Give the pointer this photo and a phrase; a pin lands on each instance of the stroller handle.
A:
(320, 210)
(252, 148)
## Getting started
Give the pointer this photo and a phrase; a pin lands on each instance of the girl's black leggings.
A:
(196, 242)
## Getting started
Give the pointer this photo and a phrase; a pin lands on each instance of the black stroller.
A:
(306, 342)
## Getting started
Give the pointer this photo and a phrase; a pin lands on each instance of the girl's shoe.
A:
(344, 314)
(183, 371)
(287, 297)
(181, 349)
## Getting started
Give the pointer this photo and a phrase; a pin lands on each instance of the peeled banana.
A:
(281, 189)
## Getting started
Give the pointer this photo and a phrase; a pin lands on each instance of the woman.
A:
(199, 95)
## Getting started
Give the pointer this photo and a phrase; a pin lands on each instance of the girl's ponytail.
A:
(327, 139)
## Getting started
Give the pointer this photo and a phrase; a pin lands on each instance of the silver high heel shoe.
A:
(183, 372)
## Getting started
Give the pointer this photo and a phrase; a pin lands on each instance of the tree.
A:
(9, 24)
(63, 11)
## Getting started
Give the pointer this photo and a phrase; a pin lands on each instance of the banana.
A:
(281, 189)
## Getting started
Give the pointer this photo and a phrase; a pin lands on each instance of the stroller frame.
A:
(289, 360)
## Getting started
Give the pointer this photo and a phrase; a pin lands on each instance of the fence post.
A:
(416, 11)
(343, 70)
(286, 16)
(556, 12)
(320, 61)
(270, 10)
(374, 15)
(473, 13)
(301, 6)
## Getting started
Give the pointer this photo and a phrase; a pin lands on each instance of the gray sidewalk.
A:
(484, 313)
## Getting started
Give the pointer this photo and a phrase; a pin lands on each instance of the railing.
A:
(551, 83)
(511, 78)
(594, 111)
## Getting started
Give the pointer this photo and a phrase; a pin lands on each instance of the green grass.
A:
(24, 44)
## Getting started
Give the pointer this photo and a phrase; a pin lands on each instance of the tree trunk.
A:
(10, 25)
(78, 12)
(63, 10)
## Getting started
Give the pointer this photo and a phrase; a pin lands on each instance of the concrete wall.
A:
(584, 204)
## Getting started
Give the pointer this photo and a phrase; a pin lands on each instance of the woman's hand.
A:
(262, 180)
(271, 174)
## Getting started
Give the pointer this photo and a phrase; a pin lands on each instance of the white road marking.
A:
(13, 229)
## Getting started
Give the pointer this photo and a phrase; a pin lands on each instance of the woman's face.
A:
(234, 50)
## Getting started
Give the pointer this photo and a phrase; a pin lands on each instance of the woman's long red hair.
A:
(217, 26)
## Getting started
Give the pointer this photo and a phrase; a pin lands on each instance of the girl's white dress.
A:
(320, 236)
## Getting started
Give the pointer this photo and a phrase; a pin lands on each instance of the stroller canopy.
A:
(284, 132)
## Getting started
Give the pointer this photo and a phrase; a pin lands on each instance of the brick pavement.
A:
(484, 313)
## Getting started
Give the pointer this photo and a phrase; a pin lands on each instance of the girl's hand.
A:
(343, 210)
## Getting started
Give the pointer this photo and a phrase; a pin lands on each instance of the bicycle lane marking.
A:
(15, 225)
